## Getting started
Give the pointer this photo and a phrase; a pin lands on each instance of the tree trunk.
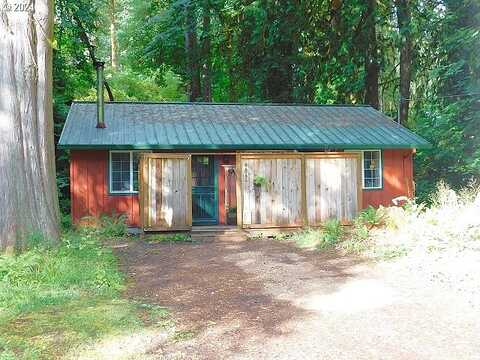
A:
(191, 50)
(28, 194)
(372, 67)
(404, 20)
(113, 35)
(206, 70)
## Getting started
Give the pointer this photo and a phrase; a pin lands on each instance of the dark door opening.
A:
(204, 190)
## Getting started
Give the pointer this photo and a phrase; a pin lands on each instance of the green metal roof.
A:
(211, 126)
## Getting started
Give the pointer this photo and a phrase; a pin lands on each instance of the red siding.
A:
(397, 179)
(89, 189)
(90, 197)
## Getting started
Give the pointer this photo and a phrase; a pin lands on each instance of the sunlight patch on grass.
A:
(53, 299)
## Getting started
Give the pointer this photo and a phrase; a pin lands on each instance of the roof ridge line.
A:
(219, 103)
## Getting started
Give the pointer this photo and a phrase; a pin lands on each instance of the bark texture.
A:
(206, 68)
(28, 194)
(191, 50)
(91, 51)
(372, 67)
(404, 18)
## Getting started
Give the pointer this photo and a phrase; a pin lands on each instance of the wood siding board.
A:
(274, 191)
(318, 191)
(310, 191)
(268, 191)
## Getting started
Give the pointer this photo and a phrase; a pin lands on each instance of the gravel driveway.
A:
(265, 299)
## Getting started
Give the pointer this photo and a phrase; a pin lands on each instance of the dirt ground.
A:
(266, 299)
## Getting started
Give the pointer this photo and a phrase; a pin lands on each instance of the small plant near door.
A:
(260, 181)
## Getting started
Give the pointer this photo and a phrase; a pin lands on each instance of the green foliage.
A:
(326, 237)
(130, 86)
(357, 240)
(370, 217)
(332, 232)
(259, 180)
(54, 298)
(168, 237)
(105, 227)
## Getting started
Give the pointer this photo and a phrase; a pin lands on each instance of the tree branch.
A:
(91, 50)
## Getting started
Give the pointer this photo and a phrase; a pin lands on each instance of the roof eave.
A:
(192, 147)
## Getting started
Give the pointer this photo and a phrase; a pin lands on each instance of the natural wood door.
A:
(165, 192)
(333, 184)
(271, 190)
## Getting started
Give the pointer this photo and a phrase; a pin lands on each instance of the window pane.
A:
(120, 171)
(121, 156)
(372, 169)
(120, 186)
(116, 165)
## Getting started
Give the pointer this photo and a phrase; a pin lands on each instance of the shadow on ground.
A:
(249, 284)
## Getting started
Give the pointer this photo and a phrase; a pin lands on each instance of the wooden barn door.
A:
(333, 184)
(165, 192)
(271, 190)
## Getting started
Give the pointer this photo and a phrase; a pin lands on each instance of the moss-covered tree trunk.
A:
(28, 195)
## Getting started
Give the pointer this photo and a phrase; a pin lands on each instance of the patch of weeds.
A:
(106, 227)
(113, 226)
(155, 315)
(326, 237)
(255, 236)
(357, 240)
(53, 330)
(55, 298)
(370, 217)
(168, 237)
(308, 238)
(332, 232)
(393, 252)
(282, 236)
(183, 335)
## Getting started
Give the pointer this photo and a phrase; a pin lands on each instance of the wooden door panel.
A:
(333, 184)
(165, 192)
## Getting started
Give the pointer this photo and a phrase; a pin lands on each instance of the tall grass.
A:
(451, 220)
(53, 297)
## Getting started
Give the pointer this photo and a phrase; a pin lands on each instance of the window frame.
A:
(380, 168)
(110, 177)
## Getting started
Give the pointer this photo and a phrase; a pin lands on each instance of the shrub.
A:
(370, 217)
(331, 234)
(114, 226)
(326, 237)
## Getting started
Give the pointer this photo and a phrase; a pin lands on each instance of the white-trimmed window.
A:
(372, 169)
(123, 171)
